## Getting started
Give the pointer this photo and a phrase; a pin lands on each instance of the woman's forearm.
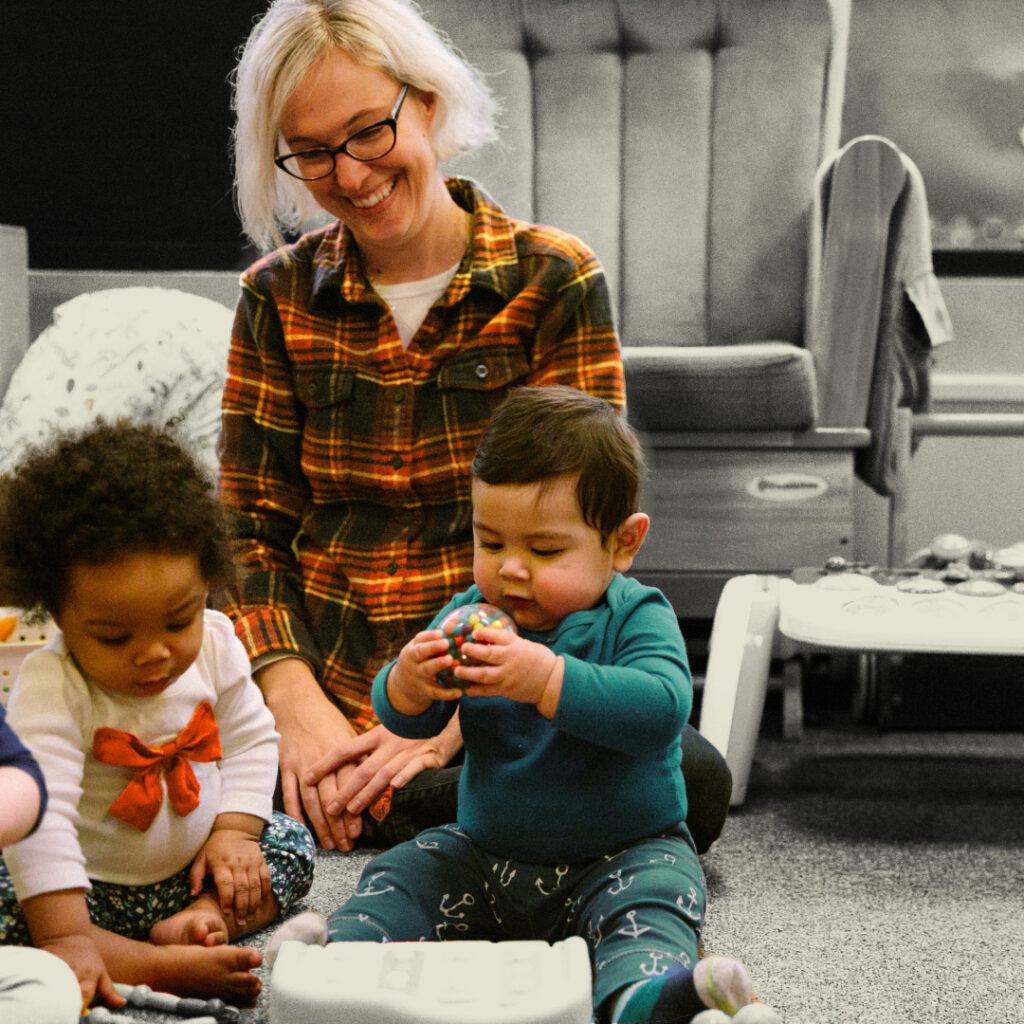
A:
(290, 689)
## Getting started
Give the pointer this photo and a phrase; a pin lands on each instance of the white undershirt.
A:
(410, 301)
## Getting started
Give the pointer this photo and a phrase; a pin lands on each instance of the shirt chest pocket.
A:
(471, 386)
(484, 370)
(327, 393)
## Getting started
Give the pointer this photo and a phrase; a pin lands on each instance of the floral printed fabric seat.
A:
(153, 355)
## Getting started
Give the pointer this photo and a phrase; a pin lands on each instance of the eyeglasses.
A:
(370, 143)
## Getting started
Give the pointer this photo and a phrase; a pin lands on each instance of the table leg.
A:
(739, 660)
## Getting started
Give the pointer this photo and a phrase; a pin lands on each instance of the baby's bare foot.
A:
(222, 972)
(201, 924)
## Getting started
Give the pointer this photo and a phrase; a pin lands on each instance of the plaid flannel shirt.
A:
(345, 458)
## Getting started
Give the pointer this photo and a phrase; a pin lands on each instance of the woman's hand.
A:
(233, 859)
(366, 766)
(311, 727)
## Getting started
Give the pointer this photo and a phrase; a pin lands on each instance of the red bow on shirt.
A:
(141, 798)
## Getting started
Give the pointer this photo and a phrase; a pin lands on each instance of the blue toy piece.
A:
(458, 628)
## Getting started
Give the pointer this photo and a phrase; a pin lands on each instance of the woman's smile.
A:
(375, 198)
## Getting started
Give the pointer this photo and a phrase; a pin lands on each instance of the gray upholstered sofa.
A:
(692, 143)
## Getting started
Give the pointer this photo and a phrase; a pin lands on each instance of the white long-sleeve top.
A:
(56, 713)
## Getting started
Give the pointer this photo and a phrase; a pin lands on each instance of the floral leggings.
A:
(131, 910)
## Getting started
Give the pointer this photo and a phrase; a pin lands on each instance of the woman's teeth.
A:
(375, 197)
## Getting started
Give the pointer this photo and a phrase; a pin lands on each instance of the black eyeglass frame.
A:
(391, 121)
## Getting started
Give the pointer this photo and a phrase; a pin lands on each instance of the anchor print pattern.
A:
(454, 913)
(689, 906)
(560, 872)
(371, 886)
(618, 886)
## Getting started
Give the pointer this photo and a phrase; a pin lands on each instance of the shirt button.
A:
(399, 396)
(392, 568)
(482, 371)
(396, 461)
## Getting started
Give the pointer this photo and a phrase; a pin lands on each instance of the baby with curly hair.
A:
(159, 845)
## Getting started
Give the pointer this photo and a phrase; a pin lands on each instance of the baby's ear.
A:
(628, 539)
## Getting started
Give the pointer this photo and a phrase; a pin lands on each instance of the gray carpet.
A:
(869, 877)
(878, 879)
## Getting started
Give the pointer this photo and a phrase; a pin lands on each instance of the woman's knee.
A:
(708, 788)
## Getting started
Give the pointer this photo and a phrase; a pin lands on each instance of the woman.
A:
(367, 358)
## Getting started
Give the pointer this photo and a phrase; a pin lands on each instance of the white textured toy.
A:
(755, 1013)
(515, 982)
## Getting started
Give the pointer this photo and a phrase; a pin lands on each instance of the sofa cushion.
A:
(677, 138)
(765, 385)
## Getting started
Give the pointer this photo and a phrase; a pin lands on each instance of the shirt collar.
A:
(491, 261)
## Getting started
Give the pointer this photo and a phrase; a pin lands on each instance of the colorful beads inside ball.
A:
(458, 629)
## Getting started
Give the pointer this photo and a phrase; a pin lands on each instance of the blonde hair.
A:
(289, 39)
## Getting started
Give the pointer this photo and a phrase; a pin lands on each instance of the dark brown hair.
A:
(96, 495)
(542, 433)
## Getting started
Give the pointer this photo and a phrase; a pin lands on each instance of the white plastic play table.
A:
(865, 610)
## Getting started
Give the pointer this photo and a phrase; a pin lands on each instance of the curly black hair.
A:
(96, 495)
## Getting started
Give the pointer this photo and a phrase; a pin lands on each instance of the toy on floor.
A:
(198, 1011)
(309, 928)
(383, 983)
(755, 1013)
(101, 1015)
(458, 628)
(512, 982)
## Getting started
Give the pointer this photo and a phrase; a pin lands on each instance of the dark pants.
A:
(431, 799)
(640, 908)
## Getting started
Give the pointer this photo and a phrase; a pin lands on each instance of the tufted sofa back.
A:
(679, 138)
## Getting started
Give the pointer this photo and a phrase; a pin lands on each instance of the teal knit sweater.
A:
(606, 770)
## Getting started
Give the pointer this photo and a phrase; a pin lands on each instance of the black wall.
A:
(115, 120)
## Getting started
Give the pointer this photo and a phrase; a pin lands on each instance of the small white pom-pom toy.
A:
(309, 928)
(722, 982)
(757, 1013)
(712, 1017)
(752, 1013)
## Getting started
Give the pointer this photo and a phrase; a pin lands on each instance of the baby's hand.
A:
(412, 684)
(233, 858)
(510, 666)
(82, 955)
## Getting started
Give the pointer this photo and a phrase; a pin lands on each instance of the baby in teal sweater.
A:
(572, 804)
